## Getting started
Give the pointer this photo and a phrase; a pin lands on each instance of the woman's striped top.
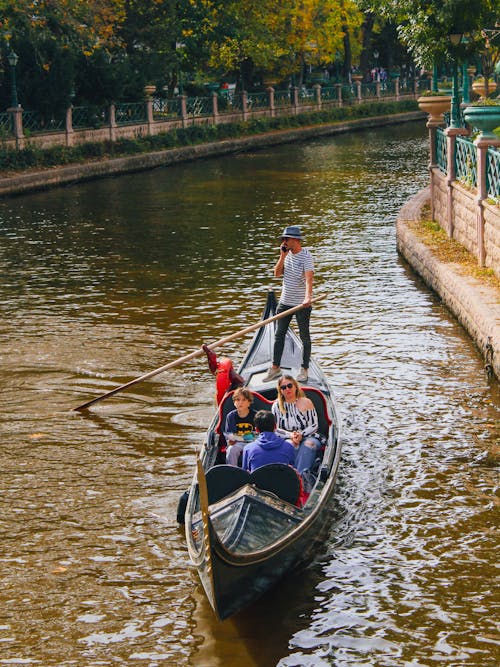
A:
(294, 420)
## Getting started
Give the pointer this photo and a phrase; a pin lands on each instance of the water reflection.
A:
(104, 282)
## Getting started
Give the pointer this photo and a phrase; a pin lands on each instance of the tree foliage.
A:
(425, 25)
(279, 35)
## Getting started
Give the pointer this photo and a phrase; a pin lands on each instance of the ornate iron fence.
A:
(368, 90)
(165, 109)
(5, 124)
(89, 117)
(441, 151)
(493, 174)
(282, 98)
(329, 94)
(349, 92)
(34, 121)
(198, 106)
(258, 100)
(306, 94)
(127, 113)
(466, 162)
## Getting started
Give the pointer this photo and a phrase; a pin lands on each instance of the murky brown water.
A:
(105, 281)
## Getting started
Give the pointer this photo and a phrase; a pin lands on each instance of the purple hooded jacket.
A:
(267, 448)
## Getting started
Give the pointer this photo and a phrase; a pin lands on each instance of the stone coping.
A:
(475, 304)
(56, 176)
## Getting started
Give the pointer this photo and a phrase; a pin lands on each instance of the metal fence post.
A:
(396, 87)
(358, 90)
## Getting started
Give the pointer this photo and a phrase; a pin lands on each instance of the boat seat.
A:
(225, 479)
(319, 403)
(280, 479)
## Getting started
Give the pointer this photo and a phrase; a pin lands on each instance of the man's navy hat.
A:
(292, 233)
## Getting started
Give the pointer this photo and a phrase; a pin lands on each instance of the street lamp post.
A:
(13, 58)
(455, 39)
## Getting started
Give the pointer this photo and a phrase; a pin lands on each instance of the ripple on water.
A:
(108, 280)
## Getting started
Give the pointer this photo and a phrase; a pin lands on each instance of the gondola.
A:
(246, 531)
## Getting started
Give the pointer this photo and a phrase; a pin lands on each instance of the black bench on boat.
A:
(222, 480)
(278, 478)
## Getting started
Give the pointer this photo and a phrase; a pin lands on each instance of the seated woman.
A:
(297, 422)
(239, 426)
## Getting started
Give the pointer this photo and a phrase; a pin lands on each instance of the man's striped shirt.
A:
(294, 280)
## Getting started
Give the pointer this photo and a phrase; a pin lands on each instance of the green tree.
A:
(50, 36)
(425, 25)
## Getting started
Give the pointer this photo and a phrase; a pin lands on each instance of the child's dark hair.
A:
(264, 421)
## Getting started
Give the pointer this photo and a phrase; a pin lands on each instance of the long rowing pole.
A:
(197, 353)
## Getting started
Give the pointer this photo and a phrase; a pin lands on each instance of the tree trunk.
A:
(364, 61)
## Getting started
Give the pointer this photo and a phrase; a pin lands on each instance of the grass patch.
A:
(449, 251)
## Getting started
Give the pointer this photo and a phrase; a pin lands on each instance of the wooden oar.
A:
(196, 353)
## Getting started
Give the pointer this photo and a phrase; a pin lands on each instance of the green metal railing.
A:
(165, 109)
(34, 121)
(5, 124)
(258, 100)
(282, 98)
(441, 151)
(466, 162)
(129, 113)
(328, 94)
(198, 106)
(89, 117)
(493, 173)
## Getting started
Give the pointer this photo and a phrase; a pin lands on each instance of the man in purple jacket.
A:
(267, 447)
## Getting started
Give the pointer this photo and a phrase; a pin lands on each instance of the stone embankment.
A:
(474, 302)
(53, 177)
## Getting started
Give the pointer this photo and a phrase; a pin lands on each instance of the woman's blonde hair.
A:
(299, 392)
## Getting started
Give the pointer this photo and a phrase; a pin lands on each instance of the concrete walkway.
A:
(474, 303)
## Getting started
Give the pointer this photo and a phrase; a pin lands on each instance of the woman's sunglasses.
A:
(286, 386)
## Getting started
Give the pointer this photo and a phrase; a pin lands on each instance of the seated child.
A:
(267, 447)
(239, 425)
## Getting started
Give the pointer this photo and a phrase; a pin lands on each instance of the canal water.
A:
(105, 281)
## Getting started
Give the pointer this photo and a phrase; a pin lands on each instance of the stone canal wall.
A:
(474, 223)
(474, 302)
(53, 177)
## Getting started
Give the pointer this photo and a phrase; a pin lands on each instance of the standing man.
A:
(296, 265)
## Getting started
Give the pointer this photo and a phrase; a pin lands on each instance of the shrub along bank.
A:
(32, 157)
